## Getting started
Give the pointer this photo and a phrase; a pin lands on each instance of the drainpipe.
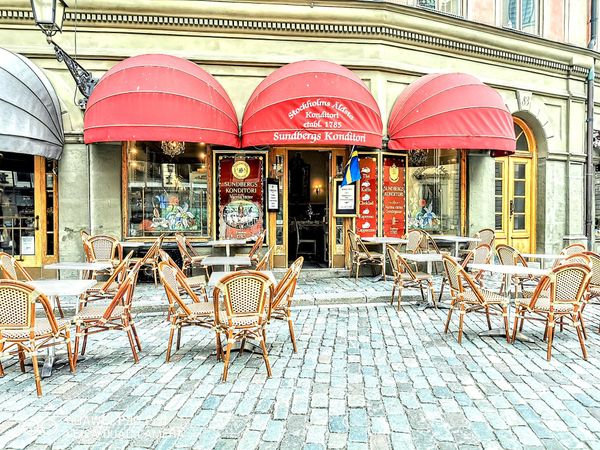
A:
(589, 172)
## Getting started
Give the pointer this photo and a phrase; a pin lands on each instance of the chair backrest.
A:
(104, 248)
(287, 285)
(487, 236)
(165, 257)
(258, 244)
(482, 254)
(154, 249)
(85, 236)
(573, 249)
(12, 269)
(393, 255)
(566, 284)
(352, 241)
(17, 307)
(358, 243)
(595, 260)
(404, 266)
(576, 258)
(245, 293)
(264, 261)
(172, 279)
(454, 273)
(118, 275)
(506, 254)
(430, 243)
(185, 248)
(415, 242)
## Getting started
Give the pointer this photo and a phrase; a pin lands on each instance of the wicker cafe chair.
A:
(245, 294)
(196, 283)
(485, 235)
(566, 286)
(283, 295)
(13, 270)
(198, 313)
(107, 289)
(510, 256)
(254, 253)
(150, 259)
(415, 242)
(116, 315)
(360, 255)
(482, 254)
(469, 297)
(264, 262)
(105, 249)
(188, 255)
(22, 333)
(406, 277)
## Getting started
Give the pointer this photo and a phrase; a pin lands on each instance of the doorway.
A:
(515, 193)
(28, 206)
(308, 207)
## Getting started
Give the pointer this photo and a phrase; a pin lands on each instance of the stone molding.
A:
(297, 27)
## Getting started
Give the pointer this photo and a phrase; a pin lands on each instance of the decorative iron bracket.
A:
(85, 80)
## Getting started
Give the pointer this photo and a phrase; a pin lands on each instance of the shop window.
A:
(446, 6)
(166, 194)
(433, 191)
(521, 15)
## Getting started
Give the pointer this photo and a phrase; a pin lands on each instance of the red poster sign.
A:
(240, 182)
(394, 196)
(366, 221)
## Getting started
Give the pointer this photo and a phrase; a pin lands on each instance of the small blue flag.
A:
(352, 170)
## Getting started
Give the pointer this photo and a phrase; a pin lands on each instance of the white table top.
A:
(452, 238)
(226, 261)
(132, 244)
(424, 257)
(216, 276)
(62, 287)
(510, 269)
(79, 265)
(384, 240)
(226, 242)
(541, 256)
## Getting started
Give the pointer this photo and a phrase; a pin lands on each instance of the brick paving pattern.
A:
(365, 376)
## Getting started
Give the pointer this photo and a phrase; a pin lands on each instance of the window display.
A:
(164, 194)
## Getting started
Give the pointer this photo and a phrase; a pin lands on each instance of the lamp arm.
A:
(85, 80)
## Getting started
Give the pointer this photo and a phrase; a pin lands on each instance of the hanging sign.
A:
(27, 245)
(240, 199)
(366, 220)
(345, 199)
(394, 196)
(272, 195)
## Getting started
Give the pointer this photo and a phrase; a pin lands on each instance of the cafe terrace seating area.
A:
(235, 299)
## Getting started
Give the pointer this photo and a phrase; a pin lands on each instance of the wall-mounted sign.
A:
(27, 245)
(394, 196)
(272, 195)
(366, 220)
(345, 199)
(240, 196)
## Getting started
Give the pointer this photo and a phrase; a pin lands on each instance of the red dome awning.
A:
(452, 110)
(160, 98)
(312, 103)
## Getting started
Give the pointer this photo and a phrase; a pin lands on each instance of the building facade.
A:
(532, 52)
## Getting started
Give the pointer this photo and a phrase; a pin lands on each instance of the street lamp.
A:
(49, 15)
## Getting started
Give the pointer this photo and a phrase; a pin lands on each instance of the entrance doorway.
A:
(516, 192)
(308, 207)
(28, 207)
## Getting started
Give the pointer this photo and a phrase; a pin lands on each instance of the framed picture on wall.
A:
(345, 199)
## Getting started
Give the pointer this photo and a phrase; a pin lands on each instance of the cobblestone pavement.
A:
(365, 376)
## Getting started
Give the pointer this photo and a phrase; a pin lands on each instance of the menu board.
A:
(240, 199)
(366, 221)
(394, 196)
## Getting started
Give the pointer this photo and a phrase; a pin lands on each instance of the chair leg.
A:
(69, 350)
(487, 316)
(219, 346)
(22, 359)
(357, 268)
(135, 335)
(546, 330)
(461, 321)
(505, 318)
(227, 355)
(551, 325)
(422, 293)
(170, 342)
(562, 323)
(449, 315)
(579, 327)
(291, 327)
(266, 356)
(435, 303)
(127, 328)
(582, 324)
(400, 287)
(76, 349)
(60, 311)
(84, 345)
(393, 292)
(242, 345)
(178, 345)
(36, 373)
(518, 312)
(442, 289)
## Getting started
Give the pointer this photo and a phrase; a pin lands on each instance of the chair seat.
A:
(96, 312)
(529, 294)
(202, 308)
(100, 284)
(196, 281)
(371, 256)
(543, 305)
(241, 321)
(419, 276)
(196, 259)
(42, 328)
(488, 296)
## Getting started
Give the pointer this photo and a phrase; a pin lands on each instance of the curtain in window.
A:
(512, 14)
(527, 13)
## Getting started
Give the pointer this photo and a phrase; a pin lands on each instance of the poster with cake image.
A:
(366, 221)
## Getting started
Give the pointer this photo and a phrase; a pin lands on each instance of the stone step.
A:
(316, 274)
